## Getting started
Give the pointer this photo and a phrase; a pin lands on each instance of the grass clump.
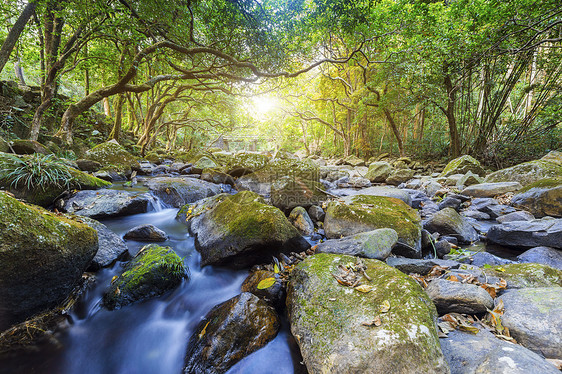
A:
(34, 171)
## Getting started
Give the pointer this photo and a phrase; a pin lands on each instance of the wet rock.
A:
(376, 244)
(107, 203)
(405, 342)
(356, 214)
(388, 192)
(88, 165)
(274, 294)
(485, 258)
(229, 332)
(179, 191)
(290, 192)
(467, 353)
(442, 248)
(43, 257)
(316, 213)
(202, 164)
(449, 222)
(498, 210)
(111, 154)
(400, 176)
(28, 147)
(152, 272)
(526, 275)
(450, 202)
(550, 166)
(541, 198)
(515, 216)
(241, 230)
(302, 222)
(458, 297)
(536, 233)
(217, 177)
(378, 171)
(410, 265)
(110, 175)
(534, 318)
(462, 165)
(111, 246)
(146, 232)
(542, 255)
(475, 214)
(491, 189)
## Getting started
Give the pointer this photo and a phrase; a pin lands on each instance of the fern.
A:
(34, 171)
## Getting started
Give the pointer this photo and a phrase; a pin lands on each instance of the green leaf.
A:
(266, 283)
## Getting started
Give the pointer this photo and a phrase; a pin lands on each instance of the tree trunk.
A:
(450, 114)
(15, 32)
(395, 132)
(116, 131)
(106, 107)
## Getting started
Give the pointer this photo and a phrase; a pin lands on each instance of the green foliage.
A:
(34, 171)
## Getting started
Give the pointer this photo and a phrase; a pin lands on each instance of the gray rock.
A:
(542, 255)
(375, 244)
(469, 179)
(468, 353)
(458, 297)
(410, 265)
(107, 203)
(476, 214)
(491, 189)
(302, 222)
(432, 187)
(359, 182)
(534, 318)
(378, 171)
(179, 191)
(316, 213)
(542, 198)
(549, 166)
(480, 203)
(450, 202)
(462, 165)
(400, 176)
(388, 192)
(536, 233)
(448, 221)
(111, 246)
(495, 211)
(88, 165)
(485, 258)
(516, 216)
(146, 232)
(327, 320)
(443, 248)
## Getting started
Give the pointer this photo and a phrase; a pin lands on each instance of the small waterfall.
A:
(156, 204)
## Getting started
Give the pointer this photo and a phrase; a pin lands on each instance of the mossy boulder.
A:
(288, 193)
(216, 176)
(378, 171)
(337, 329)
(28, 147)
(527, 275)
(462, 165)
(246, 163)
(111, 154)
(203, 163)
(241, 230)
(228, 333)
(398, 176)
(42, 258)
(4, 145)
(151, 273)
(356, 214)
(550, 166)
(541, 198)
(375, 244)
(178, 191)
(448, 222)
(354, 161)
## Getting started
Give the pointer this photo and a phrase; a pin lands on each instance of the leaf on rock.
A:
(204, 331)
(266, 283)
(364, 288)
(385, 306)
(375, 322)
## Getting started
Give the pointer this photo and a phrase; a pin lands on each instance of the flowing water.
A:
(151, 336)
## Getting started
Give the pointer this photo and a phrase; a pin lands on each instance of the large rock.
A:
(534, 318)
(356, 214)
(541, 198)
(550, 166)
(288, 193)
(542, 255)
(398, 176)
(107, 203)
(536, 233)
(111, 246)
(388, 192)
(177, 192)
(329, 320)
(462, 165)
(228, 333)
(241, 230)
(469, 353)
(375, 244)
(28, 147)
(246, 163)
(153, 271)
(146, 232)
(113, 156)
(42, 258)
(459, 297)
(449, 222)
(378, 171)
(491, 189)
(419, 266)
(526, 275)
(301, 220)
(274, 294)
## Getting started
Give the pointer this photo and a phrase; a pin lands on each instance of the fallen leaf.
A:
(452, 278)
(364, 288)
(385, 306)
(266, 283)
(276, 269)
(375, 322)
(469, 328)
(204, 331)
(114, 279)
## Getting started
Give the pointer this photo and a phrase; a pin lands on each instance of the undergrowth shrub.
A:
(34, 171)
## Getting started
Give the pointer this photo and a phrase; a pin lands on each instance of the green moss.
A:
(110, 153)
(527, 172)
(461, 165)
(251, 161)
(527, 275)
(543, 184)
